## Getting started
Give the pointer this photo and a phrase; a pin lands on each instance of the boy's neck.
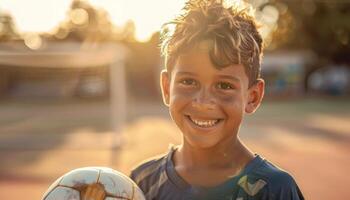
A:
(233, 154)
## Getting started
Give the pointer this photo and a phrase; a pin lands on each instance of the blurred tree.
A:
(85, 23)
(320, 25)
(7, 28)
(128, 33)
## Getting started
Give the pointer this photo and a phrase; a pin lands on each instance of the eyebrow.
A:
(185, 73)
(233, 78)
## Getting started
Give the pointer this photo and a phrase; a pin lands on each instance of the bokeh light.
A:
(79, 16)
(32, 41)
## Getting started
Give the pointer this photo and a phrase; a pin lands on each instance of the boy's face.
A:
(207, 103)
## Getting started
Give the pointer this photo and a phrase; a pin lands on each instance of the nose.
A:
(204, 100)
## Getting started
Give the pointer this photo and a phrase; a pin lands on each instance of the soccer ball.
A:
(93, 183)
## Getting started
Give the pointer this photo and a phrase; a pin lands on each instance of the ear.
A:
(255, 95)
(165, 86)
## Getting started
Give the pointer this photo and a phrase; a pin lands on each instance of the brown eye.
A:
(224, 86)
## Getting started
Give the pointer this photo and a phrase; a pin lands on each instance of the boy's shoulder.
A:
(151, 176)
(279, 183)
(272, 173)
(149, 168)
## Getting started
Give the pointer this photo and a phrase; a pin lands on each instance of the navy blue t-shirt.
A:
(259, 180)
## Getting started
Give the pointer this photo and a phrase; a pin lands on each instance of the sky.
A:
(44, 15)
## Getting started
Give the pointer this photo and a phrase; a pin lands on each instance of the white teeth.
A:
(204, 123)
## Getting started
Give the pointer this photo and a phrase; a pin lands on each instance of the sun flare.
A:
(148, 16)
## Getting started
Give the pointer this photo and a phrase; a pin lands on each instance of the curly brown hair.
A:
(232, 33)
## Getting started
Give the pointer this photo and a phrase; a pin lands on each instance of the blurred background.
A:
(79, 87)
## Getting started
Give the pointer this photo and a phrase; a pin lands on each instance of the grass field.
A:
(41, 140)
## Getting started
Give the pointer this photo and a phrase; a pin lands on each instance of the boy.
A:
(212, 79)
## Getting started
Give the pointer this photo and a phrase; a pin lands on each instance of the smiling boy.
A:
(212, 79)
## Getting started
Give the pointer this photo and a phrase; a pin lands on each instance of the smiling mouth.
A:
(203, 123)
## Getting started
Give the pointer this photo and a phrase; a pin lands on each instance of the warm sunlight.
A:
(44, 15)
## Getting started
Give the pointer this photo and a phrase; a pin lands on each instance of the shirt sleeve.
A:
(290, 193)
(285, 189)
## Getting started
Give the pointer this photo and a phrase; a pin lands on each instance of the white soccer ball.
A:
(93, 183)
